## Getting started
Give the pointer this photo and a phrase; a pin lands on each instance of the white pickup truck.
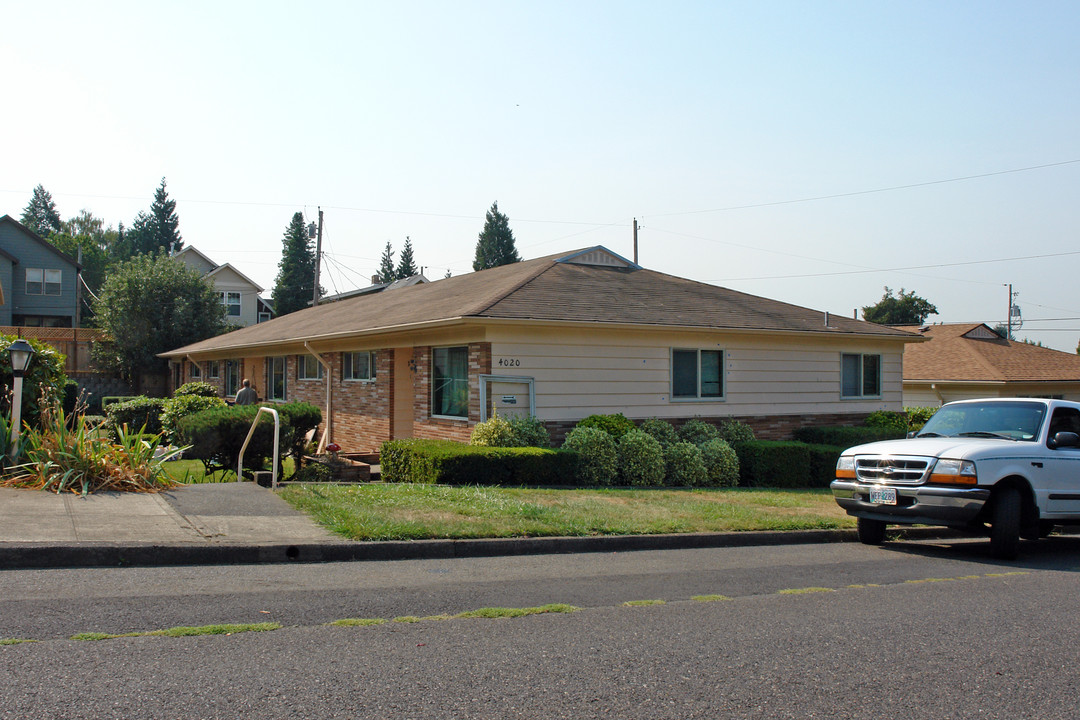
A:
(1010, 463)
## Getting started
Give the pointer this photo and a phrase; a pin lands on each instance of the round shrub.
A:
(641, 459)
(529, 432)
(493, 432)
(721, 463)
(140, 413)
(734, 431)
(917, 416)
(685, 466)
(661, 430)
(615, 425)
(698, 432)
(597, 459)
(181, 406)
(201, 389)
(887, 419)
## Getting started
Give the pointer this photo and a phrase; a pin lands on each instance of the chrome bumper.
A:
(924, 505)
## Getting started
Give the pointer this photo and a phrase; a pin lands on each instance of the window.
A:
(231, 301)
(213, 369)
(35, 281)
(697, 374)
(358, 366)
(450, 381)
(264, 316)
(52, 282)
(232, 377)
(860, 376)
(308, 367)
(275, 378)
(196, 371)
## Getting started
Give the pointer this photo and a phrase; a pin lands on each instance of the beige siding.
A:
(605, 371)
(922, 394)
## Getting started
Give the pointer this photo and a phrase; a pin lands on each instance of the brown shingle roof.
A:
(953, 354)
(545, 289)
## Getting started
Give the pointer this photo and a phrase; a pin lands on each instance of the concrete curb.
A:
(75, 555)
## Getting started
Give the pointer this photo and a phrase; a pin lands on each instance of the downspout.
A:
(934, 387)
(328, 432)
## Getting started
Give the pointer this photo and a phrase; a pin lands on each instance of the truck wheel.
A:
(871, 532)
(1005, 524)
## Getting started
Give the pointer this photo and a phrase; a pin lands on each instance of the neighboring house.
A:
(970, 360)
(239, 294)
(559, 337)
(38, 282)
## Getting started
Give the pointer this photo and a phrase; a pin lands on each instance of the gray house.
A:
(37, 281)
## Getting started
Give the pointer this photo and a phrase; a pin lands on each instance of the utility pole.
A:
(318, 260)
(635, 241)
(1009, 316)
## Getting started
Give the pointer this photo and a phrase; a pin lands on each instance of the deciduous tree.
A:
(905, 308)
(495, 244)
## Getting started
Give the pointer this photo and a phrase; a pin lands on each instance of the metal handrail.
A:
(277, 439)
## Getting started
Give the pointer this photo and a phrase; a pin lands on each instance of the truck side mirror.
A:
(1063, 439)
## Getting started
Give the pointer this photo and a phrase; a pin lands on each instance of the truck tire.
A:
(871, 532)
(1005, 522)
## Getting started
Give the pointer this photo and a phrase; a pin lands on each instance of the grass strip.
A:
(14, 641)
(183, 631)
(802, 591)
(643, 603)
(413, 512)
(710, 598)
(358, 622)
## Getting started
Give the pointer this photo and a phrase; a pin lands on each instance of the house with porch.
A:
(559, 337)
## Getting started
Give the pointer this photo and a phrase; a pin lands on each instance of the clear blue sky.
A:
(716, 124)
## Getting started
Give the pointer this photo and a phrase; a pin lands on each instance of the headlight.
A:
(845, 467)
(954, 472)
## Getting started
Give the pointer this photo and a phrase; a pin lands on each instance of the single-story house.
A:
(241, 296)
(559, 337)
(970, 360)
(39, 282)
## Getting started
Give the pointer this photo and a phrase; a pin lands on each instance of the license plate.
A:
(883, 496)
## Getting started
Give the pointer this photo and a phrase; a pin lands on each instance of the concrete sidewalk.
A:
(234, 523)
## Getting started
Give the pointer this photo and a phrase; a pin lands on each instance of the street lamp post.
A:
(20, 353)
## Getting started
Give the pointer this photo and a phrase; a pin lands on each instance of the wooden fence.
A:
(73, 343)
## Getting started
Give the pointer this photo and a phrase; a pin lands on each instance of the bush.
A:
(641, 459)
(216, 435)
(529, 431)
(45, 378)
(493, 432)
(661, 430)
(141, 413)
(183, 405)
(721, 463)
(917, 416)
(846, 436)
(698, 432)
(199, 389)
(887, 419)
(733, 431)
(786, 464)
(597, 459)
(452, 463)
(685, 466)
(614, 425)
(313, 473)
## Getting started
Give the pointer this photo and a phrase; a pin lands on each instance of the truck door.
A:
(1062, 475)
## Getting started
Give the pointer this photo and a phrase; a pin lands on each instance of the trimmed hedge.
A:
(452, 463)
(698, 432)
(641, 459)
(846, 436)
(786, 463)
(140, 412)
(661, 430)
(615, 425)
(597, 458)
(199, 389)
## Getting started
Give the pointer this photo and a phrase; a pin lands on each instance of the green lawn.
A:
(411, 512)
(192, 471)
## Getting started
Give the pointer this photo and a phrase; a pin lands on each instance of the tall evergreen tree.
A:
(40, 214)
(495, 245)
(295, 284)
(406, 265)
(387, 272)
(166, 224)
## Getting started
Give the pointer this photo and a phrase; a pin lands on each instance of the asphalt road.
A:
(912, 630)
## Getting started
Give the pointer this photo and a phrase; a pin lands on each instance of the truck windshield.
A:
(1010, 420)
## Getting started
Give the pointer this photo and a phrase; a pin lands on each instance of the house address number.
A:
(509, 362)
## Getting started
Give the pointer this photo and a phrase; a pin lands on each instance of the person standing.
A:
(247, 394)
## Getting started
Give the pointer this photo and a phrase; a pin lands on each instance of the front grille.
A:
(891, 470)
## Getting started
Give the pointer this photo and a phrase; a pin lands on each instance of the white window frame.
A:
(303, 367)
(37, 277)
(861, 379)
(55, 280)
(698, 397)
(434, 387)
(347, 374)
(271, 372)
(227, 300)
